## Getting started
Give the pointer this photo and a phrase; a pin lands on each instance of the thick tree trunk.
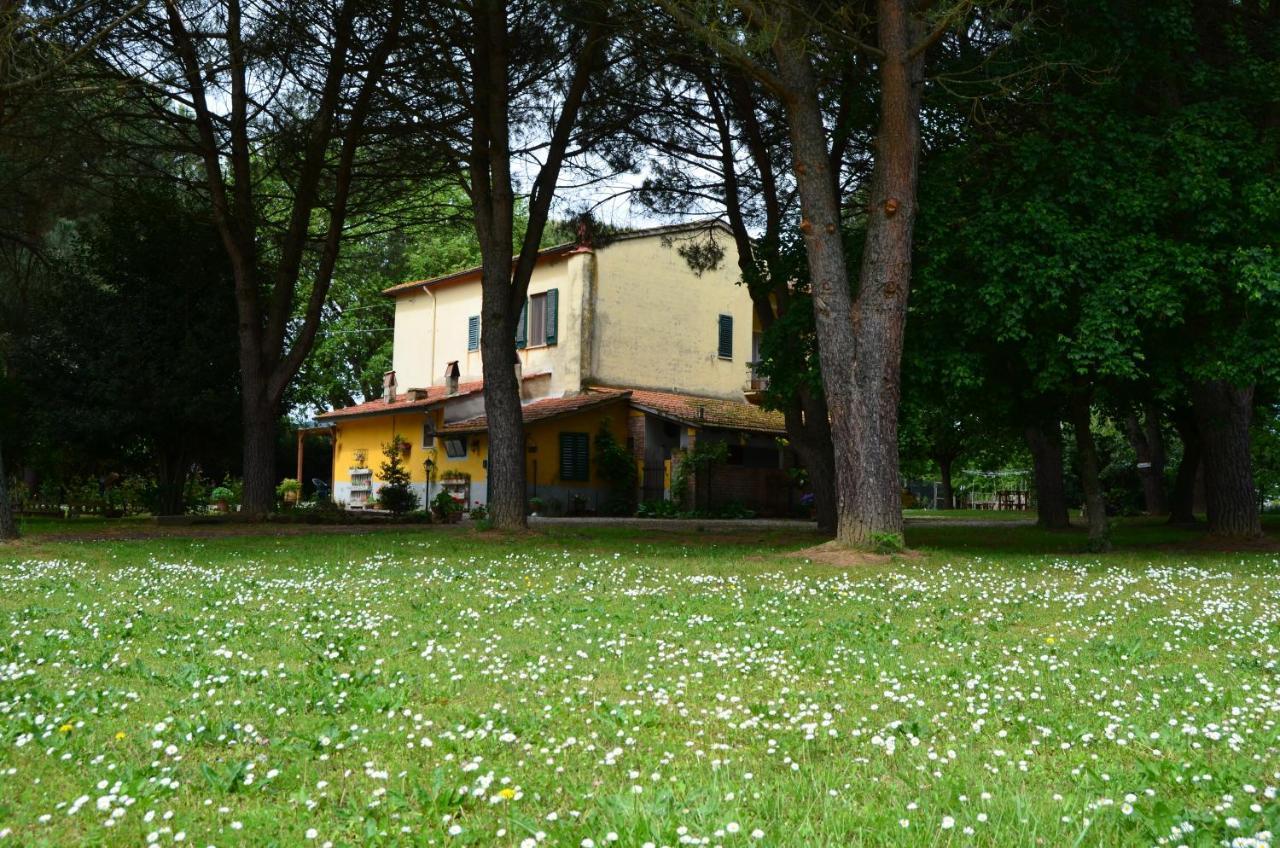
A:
(1090, 480)
(506, 471)
(1223, 413)
(1182, 503)
(809, 430)
(1148, 444)
(880, 311)
(1045, 444)
(260, 421)
(8, 527)
(171, 479)
(861, 346)
(948, 491)
(828, 273)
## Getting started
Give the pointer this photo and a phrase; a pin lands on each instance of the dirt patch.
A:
(834, 554)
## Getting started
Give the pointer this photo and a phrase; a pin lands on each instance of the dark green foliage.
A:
(443, 505)
(396, 493)
(617, 467)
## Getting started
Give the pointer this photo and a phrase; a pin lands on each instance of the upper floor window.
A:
(473, 332)
(538, 320)
(725, 337)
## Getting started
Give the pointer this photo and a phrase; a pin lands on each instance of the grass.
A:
(440, 687)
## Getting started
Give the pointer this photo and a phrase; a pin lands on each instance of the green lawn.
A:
(432, 686)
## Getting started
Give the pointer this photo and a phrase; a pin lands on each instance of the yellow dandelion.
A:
(507, 793)
(66, 728)
(119, 734)
(1049, 640)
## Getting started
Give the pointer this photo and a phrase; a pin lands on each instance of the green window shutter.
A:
(726, 337)
(522, 327)
(553, 312)
(473, 332)
(575, 457)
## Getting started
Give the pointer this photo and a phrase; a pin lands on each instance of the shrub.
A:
(617, 467)
(221, 493)
(443, 505)
(397, 494)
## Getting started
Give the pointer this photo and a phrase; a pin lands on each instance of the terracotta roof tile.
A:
(699, 411)
(540, 410)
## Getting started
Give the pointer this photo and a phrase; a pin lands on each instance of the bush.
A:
(396, 494)
(221, 493)
(443, 505)
(617, 467)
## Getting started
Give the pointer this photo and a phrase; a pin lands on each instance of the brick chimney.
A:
(389, 387)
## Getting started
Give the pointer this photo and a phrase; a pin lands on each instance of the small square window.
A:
(455, 448)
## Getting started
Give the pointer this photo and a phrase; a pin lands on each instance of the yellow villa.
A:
(623, 336)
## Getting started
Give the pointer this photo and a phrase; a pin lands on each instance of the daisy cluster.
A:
(411, 691)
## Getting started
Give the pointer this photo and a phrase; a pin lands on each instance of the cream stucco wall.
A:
(431, 329)
(656, 321)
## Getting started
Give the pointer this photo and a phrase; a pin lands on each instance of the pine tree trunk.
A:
(1045, 444)
(1148, 445)
(260, 422)
(1182, 503)
(506, 471)
(860, 344)
(8, 527)
(880, 311)
(1090, 479)
(809, 431)
(1223, 414)
(828, 274)
(171, 479)
(948, 491)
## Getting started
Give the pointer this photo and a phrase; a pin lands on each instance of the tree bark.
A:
(1045, 444)
(505, 274)
(1223, 414)
(948, 491)
(809, 430)
(1095, 501)
(8, 527)
(860, 343)
(880, 311)
(1182, 503)
(1148, 444)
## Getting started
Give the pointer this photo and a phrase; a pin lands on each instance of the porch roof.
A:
(541, 410)
(698, 411)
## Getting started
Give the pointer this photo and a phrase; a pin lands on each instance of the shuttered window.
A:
(726, 337)
(552, 314)
(473, 332)
(539, 320)
(575, 449)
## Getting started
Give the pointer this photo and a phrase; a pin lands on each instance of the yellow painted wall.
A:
(656, 322)
(431, 330)
(370, 433)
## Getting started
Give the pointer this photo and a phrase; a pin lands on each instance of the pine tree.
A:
(396, 494)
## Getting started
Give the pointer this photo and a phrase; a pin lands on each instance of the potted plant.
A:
(289, 491)
(446, 508)
(536, 505)
(220, 497)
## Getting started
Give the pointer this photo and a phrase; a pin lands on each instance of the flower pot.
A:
(221, 506)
